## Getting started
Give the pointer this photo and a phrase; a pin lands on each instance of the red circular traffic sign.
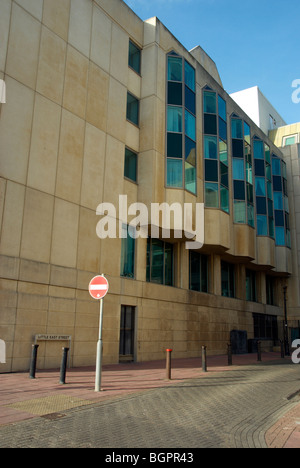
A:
(98, 287)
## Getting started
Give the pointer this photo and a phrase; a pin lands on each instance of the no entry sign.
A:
(98, 287)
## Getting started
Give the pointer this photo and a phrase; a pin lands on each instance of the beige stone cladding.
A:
(63, 134)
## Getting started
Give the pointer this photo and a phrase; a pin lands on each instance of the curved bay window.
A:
(242, 172)
(215, 151)
(181, 124)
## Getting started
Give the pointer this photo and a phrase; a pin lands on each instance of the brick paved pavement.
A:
(227, 407)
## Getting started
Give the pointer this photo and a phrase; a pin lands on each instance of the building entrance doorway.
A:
(127, 333)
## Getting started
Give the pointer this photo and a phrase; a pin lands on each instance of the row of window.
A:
(256, 187)
(160, 269)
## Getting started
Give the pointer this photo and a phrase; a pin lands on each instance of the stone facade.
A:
(63, 133)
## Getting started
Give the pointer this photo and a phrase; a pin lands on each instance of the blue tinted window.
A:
(222, 129)
(262, 225)
(189, 76)
(279, 235)
(278, 201)
(174, 147)
(190, 125)
(260, 186)
(237, 148)
(276, 166)
(190, 100)
(277, 183)
(239, 212)
(132, 109)
(259, 167)
(238, 169)
(222, 108)
(210, 124)
(239, 190)
(258, 149)
(279, 218)
(261, 205)
(174, 93)
(190, 151)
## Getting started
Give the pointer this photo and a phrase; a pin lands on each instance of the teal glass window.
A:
(174, 119)
(260, 186)
(210, 102)
(280, 237)
(160, 262)
(239, 212)
(134, 59)
(130, 169)
(174, 68)
(132, 109)
(276, 167)
(198, 272)
(127, 253)
(174, 173)
(190, 76)
(190, 125)
(190, 177)
(210, 147)
(278, 201)
(224, 195)
(258, 149)
(238, 167)
(237, 129)
(181, 125)
(251, 218)
(212, 195)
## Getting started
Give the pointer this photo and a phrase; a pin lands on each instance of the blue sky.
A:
(255, 43)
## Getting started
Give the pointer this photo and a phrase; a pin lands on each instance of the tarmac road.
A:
(232, 409)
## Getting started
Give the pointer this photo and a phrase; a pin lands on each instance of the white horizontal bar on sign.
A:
(98, 287)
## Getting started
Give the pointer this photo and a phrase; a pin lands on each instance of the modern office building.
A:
(99, 105)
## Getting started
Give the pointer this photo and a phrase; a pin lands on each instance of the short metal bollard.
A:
(259, 351)
(169, 363)
(204, 360)
(229, 354)
(33, 361)
(63, 367)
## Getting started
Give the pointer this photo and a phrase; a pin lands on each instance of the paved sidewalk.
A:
(22, 398)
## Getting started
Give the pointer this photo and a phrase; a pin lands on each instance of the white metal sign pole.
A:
(99, 352)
